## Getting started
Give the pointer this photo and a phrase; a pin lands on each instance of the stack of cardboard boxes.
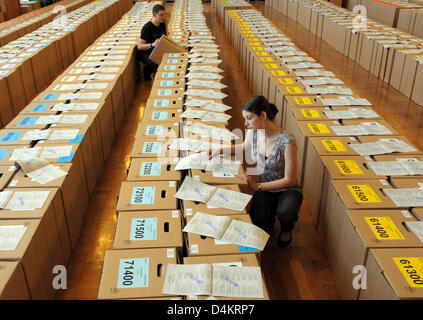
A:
(220, 6)
(388, 53)
(30, 62)
(342, 145)
(72, 125)
(149, 217)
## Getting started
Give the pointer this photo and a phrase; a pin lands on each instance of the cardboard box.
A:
(168, 83)
(154, 169)
(168, 103)
(148, 148)
(143, 230)
(147, 195)
(217, 178)
(74, 195)
(158, 130)
(192, 207)
(6, 109)
(396, 157)
(166, 75)
(387, 276)
(169, 93)
(364, 230)
(244, 260)
(145, 281)
(165, 45)
(13, 284)
(417, 95)
(364, 139)
(180, 68)
(14, 137)
(418, 213)
(205, 246)
(32, 254)
(154, 114)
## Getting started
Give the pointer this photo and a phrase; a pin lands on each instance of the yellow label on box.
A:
(286, 81)
(271, 66)
(255, 43)
(294, 90)
(267, 59)
(254, 39)
(303, 100)
(318, 128)
(258, 48)
(363, 193)
(412, 270)
(310, 113)
(262, 53)
(278, 73)
(334, 146)
(348, 167)
(384, 228)
(245, 28)
(246, 31)
(250, 35)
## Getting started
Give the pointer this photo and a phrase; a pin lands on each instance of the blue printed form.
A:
(50, 97)
(3, 153)
(152, 147)
(143, 229)
(169, 68)
(173, 55)
(151, 169)
(159, 115)
(27, 121)
(154, 130)
(166, 83)
(133, 273)
(40, 108)
(168, 75)
(161, 103)
(164, 92)
(143, 195)
(11, 136)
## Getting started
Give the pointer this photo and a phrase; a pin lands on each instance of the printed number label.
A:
(133, 273)
(412, 270)
(310, 113)
(334, 146)
(363, 193)
(384, 228)
(318, 128)
(348, 167)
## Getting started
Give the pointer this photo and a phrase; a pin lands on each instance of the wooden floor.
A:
(299, 271)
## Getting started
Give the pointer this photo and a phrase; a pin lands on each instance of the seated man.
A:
(150, 36)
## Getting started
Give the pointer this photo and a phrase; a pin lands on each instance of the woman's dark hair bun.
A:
(259, 104)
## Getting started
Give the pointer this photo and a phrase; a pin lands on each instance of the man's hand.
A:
(155, 42)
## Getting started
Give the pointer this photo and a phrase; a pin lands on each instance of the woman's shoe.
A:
(284, 243)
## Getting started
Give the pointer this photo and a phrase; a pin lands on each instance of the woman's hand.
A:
(212, 152)
(252, 183)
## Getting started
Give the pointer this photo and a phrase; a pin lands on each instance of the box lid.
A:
(19, 252)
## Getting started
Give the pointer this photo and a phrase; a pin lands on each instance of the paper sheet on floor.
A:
(10, 236)
(188, 279)
(237, 282)
(208, 225)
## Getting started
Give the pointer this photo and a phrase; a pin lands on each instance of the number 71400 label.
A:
(133, 273)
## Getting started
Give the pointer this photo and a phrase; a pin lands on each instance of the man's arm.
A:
(143, 45)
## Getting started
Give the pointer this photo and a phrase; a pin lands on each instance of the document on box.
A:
(206, 84)
(27, 200)
(405, 197)
(206, 69)
(237, 282)
(4, 198)
(195, 161)
(74, 119)
(193, 114)
(217, 107)
(46, 174)
(315, 73)
(188, 279)
(35, 135)
(25, 153)
(369, 148)
(197, 103)
(210, 94)
(31, 164)
(388, 168)
(396, 145)
(216, 117)
(194, 190)
(69, 134)
(416, 227)
(10, 236)
(363, 113)
(56, 151)
(414, 166)
(185, 144)
(375, 128)
(353, 130)
(322, 81)
(48, 119)
(226, 168)
(208, 225)
(205, 76)
(229, 199)
(245, 234)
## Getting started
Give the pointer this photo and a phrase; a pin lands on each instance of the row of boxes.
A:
(30, 62)
(74, 134)
(390, 54)
(146, 200)
(345, 196)
(220, 6)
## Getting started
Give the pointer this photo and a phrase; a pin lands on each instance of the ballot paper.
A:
(48, 119)
(203, 55)
(395, 145)
(208, 225)
(229, 199)
(375, 128)
(194, 190)
(10, 236)
(353, 130)
(193, 50)
(65, 134)
(297, 59)
(388, 168)
(76, 119)
(46, 174)
(193, 114)
(27, 200)
(315, 73)
(206, 84)
(5, 197)
(245, 234)
(204, 76)
(197, 103)
(227, 166)
(414, 166)
(205, 61)
(369, 148)
(328, 90)
(206, 69)
(185, 144)
(363, 113)
(205, 94)
(405, 197)
(414, 226)
(35, 135)
(195, 161)
(188, 279)
(56, 151)
(322, 81)
(237, 282)
(216, 117)
(25, 153)
(216, 107)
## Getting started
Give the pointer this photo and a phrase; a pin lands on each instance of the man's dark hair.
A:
(157, 8)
